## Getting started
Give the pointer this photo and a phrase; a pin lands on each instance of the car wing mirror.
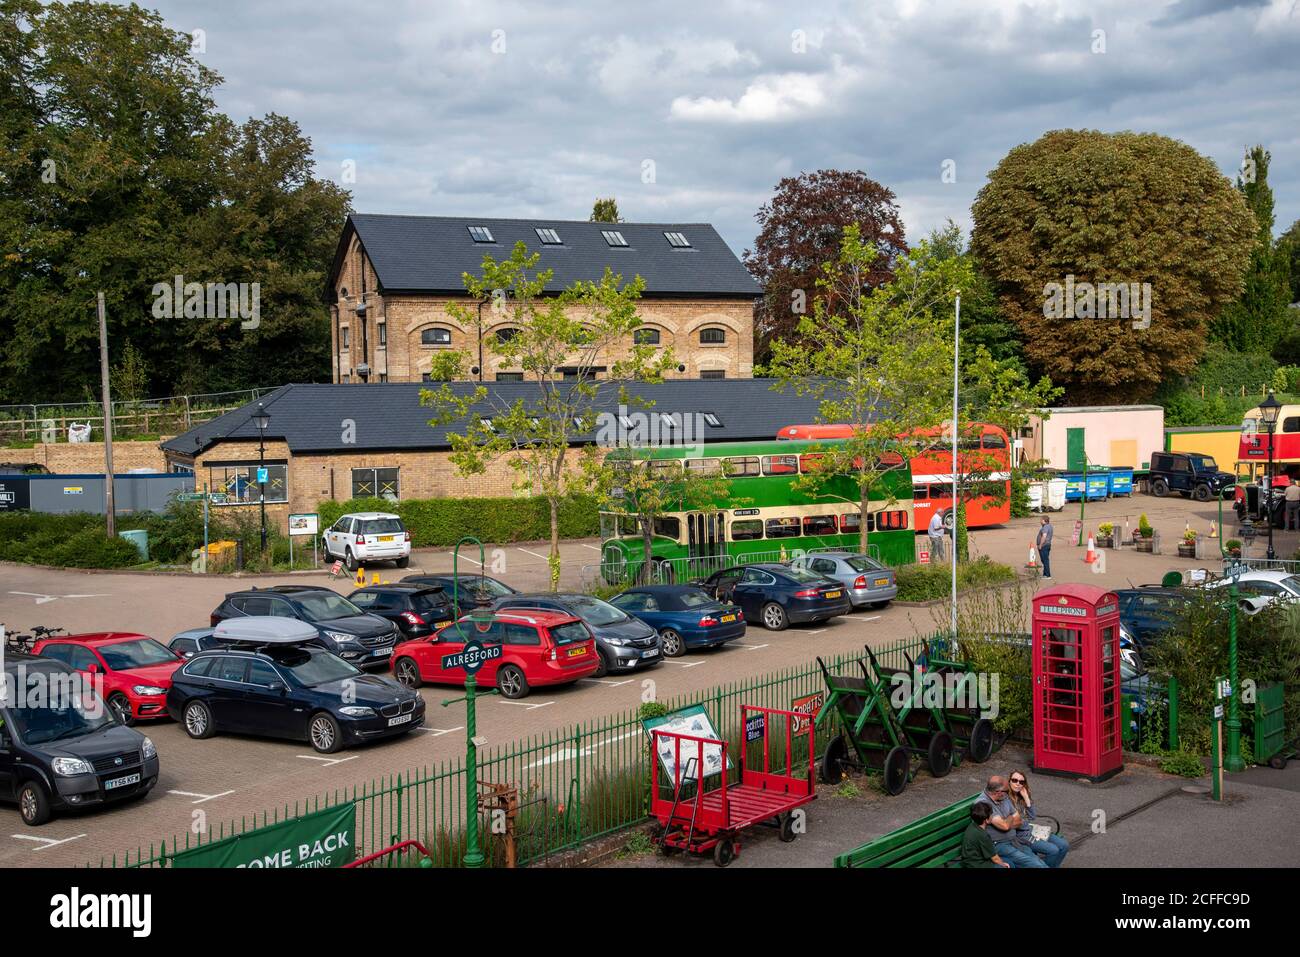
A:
(93, 669)
(277, 686)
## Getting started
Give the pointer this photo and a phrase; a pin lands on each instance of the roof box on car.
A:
(265, 630)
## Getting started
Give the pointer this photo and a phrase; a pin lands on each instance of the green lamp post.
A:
(1233, 760)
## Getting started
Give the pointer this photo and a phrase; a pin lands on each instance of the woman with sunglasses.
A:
(1052, 848)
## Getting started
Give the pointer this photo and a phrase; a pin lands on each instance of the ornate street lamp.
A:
(1233, 760)
(261, 420)
(1268, 413)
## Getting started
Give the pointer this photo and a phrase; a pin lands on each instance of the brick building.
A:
(336, 442)
(393, 277)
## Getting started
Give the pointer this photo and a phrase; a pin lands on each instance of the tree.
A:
(558, 341)
(801, 228)
(877, 359)
(1258, 319)
(1078, 208)
(605, 211)
(1288, 246)
(982, 321)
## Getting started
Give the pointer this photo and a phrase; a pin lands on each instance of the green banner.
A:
(321, 839)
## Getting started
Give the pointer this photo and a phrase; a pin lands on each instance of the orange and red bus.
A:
(1253, 453)
(984, 451)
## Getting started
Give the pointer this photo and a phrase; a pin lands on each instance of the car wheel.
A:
(511, 682)
(198, 720)
(325, 550)
(33, 803)
(350, 560)
(403, 562)
(673, 645)
(325, 735)
(774, 617)
(121, 706)
(602, 666)
(1159, 488)
(407, 673)
(1202, 493)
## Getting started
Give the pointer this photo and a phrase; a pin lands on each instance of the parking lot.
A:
(224, 778)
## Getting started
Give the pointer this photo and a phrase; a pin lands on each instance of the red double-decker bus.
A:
(983, 453)
(1252, 454)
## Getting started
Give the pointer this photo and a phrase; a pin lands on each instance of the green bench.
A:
(932, 841)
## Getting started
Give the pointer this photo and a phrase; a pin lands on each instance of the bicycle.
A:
(25, 642)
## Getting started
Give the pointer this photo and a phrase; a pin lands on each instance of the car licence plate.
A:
(385, 538)
(652, 653)
(575, 652)
(400, 719)
(831, 594)
(121, 782)
(382, 652)
(881, 581)
(728, 617)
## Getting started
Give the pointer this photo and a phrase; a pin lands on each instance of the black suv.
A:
(416, 610)
(294, 691)
(65, 749)
(346, 630)
(1188, 472)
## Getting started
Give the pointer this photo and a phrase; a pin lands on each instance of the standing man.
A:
(1044, 546)
(936, 533)
(1292, 506)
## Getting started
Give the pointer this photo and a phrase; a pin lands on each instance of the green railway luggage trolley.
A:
(971, 731)
(923, 723)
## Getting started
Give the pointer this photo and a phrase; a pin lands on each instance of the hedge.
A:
(76, 540)
(439, 522)
(930, 582)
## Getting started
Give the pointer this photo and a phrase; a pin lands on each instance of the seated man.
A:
(1004, 825)
(976, 845)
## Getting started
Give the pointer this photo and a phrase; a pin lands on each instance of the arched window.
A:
(646, 337)
(713, 336)
(435, 336)
(505, 335)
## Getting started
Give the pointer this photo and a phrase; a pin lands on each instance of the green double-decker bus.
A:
(763, 517)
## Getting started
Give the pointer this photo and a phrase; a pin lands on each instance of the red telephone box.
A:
(1077, 682)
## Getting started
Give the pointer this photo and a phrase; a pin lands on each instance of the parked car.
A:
(359, 538)
(190, 642)
(1147, 613)
(778, 595)
(622, 642)
(478, 590)
(1190, 473)
(66, 750)
(1266, 583)
(538, 648)
(272, 680)
(343, 628)
(868, 582)
(685, 616)
(416, 610)
(136, 670)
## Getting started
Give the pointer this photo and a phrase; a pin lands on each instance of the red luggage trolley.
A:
(714, 815)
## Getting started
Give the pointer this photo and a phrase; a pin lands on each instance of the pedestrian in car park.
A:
(1052, 848)
(1004, 823)
(1292, 496)
(1044, 545)
(936, 532)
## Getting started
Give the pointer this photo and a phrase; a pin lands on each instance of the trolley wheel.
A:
(939, 754)
(788, 833)
(833, 760)
(897, 770)
(980, 747)
(724, 852)
(1277, 762)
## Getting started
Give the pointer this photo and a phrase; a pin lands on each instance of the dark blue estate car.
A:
(685, 616)
(778, 595)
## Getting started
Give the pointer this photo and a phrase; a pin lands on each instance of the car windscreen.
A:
(1203, 463)
(428, 601)
(70, 710)
(381, 526)
(318, 669)
(860, 563)
(694, 598)
(325, 606)
(569, 632)
(802, 576)
(595, 612)
(1292, 584)
(142, 652)
(488, 586)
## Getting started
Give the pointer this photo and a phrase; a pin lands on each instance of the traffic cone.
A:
(374, 579)
(1214, 529)
(1033, 558)
(1091, 555)
(361, 578)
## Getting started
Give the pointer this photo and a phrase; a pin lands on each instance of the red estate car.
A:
(538, 648)
(136, 670)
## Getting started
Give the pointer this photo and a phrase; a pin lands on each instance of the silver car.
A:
(868, 582)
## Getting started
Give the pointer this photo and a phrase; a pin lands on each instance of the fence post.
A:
(1173, 713)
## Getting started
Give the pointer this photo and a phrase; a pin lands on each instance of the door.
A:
(1075, 456)
(226, 697)
(8, 756)
(705, 541)
(1058, 674)
(268, 710)
(753, 591)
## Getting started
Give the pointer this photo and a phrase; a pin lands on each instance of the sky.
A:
(692, 112)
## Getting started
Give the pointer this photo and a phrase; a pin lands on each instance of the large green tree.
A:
(118, 174)
(1076, 208)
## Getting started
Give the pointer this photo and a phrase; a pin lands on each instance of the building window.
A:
(677, 240)
(435, 336)
(383, 377)
(712, 421)
(713, 336)
(646, 337)
(239, 482)
(343, 337)
(506, 335)
(548, 236)
(713, 374)
(383, 334)
(613, 237)
(510, 377)
(346, 378)
(481, 234)
(376, 483)
(428, 377)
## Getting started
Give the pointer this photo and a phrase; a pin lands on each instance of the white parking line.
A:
(603, 681)
(860, 618)
(528, 704)
(41, 598)
(439, 732)
(749, 647)
(683, 664)
(471, 561)
(534, 554)
(328, 762)
(815, 631)
(592, 547)
(201, 797)
(45, 842)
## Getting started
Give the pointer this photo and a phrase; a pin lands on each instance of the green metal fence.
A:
(574, 784)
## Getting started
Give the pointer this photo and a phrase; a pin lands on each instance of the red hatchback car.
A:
(538, 648)
(136, 670)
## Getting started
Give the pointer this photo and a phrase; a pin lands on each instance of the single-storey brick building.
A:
(394, 276)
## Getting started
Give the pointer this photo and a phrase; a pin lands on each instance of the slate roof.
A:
(388, 416)
(429, 254)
